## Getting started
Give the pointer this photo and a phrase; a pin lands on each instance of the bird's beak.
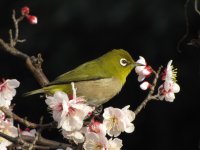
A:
(138, 64)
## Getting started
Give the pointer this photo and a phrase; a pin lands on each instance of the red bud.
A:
(32, 19)
(25, 10)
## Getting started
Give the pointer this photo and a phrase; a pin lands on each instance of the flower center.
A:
(94, 127)
(174, 74)
(114, 122)
(2, 87)
(59, 107)
(72, 111)
(99, 146)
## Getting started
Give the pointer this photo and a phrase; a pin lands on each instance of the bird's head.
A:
(118, 63)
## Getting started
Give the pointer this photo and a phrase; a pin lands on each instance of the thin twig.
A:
(38, 134)
(31, 64)
(25, 121)
(9, 138)
(150, 96)
(34, 65)
(16, 21)
(186, 28)
(42, 143)
(46, 142)
(196, 6)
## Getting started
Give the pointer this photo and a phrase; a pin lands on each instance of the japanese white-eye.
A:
(97, 81)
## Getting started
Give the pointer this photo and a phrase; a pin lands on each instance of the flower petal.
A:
(13, 83)
(170, 96)
(141, 78)
(115, 144)
(145, 85)
(176, 88)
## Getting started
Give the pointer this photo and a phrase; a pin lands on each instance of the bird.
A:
(98, 80)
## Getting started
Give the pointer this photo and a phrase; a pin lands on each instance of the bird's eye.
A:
(123, 62)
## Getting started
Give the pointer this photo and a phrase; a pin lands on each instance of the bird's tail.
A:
(38, 91)
(50, 89)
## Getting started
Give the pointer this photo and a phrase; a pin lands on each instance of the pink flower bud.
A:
(25, 10)
(145, 85)
(164, 74)
(32, 19)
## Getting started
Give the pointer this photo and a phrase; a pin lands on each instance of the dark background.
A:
(71, 32)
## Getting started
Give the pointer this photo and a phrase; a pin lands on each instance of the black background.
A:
(71, 32)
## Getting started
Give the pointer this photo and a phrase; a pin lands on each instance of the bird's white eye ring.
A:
(123, 62)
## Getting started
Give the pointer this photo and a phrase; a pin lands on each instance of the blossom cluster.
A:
(71, 113)
(168, 88)
(7, 92)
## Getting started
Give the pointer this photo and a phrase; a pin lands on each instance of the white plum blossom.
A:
(129, 116)
(113, 120)
(169, 73)
(100, 141)
(68, 113)
(114, 144)
(168, 93)
(73, 118)
(6, 127)
(168, 89)
(8, 91)
(76, 136)
(95, 141)
(143, 70)
(56, 103)
(118, 120)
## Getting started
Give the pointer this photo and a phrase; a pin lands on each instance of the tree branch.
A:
(150, 96)
(32, 63)
(196, 7)
(186, 26)
(25, 121)
(16, 21)
(41, 143)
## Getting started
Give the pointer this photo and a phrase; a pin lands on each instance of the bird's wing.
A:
(88, 71)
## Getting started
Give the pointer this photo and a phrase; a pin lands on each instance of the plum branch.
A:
(34, 64)
(150, 95)
(40, 143)
(77, 128)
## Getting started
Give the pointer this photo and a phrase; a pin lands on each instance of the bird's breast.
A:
(98, 91)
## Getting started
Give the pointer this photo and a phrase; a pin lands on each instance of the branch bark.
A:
(32, 63)
(25, 121)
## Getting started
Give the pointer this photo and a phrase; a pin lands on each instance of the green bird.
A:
(97, 81)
